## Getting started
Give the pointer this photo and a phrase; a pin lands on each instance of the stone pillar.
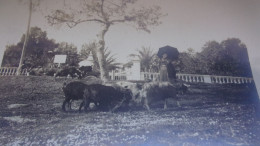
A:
(207, 79)
(113, 75)
(135, 71)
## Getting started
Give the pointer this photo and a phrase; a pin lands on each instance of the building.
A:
(128, 73)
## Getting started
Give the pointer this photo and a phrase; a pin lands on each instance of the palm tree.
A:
(146, 57)
(110, 61)
(85, 52)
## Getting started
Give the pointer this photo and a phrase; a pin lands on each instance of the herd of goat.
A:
(123, 94)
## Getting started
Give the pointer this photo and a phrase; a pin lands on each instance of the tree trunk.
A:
(25, 41)
(100, 54)
(101, 62)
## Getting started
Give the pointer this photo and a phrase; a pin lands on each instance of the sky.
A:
(188, 24)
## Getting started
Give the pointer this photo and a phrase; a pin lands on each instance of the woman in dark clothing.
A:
(171, 72)
(163, 69)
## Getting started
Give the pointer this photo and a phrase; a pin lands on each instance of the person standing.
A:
(163, 68)
(171, 71)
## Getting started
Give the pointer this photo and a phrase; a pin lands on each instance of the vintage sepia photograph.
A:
(129, 72)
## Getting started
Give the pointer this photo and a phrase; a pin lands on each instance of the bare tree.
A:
(106, 13)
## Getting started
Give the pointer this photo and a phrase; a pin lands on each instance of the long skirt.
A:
(163, 74)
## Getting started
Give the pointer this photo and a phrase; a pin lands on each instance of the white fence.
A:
(10, 71)
(200, 78)
(230, 79)
(115, 75)
(154, 76)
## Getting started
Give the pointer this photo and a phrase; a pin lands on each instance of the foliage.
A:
(88, 49)
(187, 63)
(36, 54)
(109, 58)
(50, 71)
(71, 51)
(155, 64)
(146, 57)
(110, 61)
(127, 65)
(229, 57)
(39, 71)
(12, 56)
(40, 51)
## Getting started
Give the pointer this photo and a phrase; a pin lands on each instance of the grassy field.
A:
(30, 114)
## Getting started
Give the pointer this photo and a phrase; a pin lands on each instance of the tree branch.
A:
(125, 19)
(89, 20)
(53, 20)
(104, 15)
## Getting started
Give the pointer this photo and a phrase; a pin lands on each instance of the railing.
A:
(228, 79)
(11, 71)
(154, 76)
(191, 77)
(200, 78)
(114, 75)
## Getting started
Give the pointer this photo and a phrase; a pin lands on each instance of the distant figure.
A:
(171, 72)
(163, 68)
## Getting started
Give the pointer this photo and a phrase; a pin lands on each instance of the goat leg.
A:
(118, 105)
(146, 106)
(165, 104)
(66, 101)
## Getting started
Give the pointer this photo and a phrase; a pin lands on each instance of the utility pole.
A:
(26, 40)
